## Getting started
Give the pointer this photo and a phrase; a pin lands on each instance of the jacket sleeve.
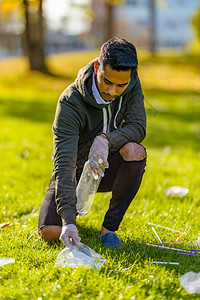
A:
(133, 128)
(65, 138)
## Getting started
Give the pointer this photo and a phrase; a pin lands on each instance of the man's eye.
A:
(107, 82)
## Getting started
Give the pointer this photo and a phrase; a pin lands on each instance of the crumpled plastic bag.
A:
(73, 257)
(190, 282)
(5, 261)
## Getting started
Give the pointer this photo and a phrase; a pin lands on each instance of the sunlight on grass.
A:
(27, 106)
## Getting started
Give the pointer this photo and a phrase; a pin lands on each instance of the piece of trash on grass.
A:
(164, 262)
(196, 243)
(173, 249)
(4, 225)
(165, 227)
(177, 249)
(176, 192)
(192, 250)
(170, 243)
(190, 281)
(5, 261)
(190, 254)
(179, 236)
(73, 257)
(156, 234)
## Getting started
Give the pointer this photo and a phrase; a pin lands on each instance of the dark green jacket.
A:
(78, 120)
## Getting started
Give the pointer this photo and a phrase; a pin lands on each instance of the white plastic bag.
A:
(190, 282)
(5, 261)
(73, 257)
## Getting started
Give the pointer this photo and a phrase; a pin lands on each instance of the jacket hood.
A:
(83, 84)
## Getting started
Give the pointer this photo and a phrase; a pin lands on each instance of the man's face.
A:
(111, 83)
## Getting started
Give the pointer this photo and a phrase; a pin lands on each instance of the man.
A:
(100, 116)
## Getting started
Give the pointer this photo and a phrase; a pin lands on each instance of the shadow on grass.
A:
(58, 75)
(149, 253)
(31, 110)
(167, 128)
(165, 131)
(134, 252)
(177, 122)
(130, 263)
(189, 60)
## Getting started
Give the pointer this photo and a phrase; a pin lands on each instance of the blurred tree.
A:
(34, 34)
(196, 23)
(103, 27)
(103, 20)
(109, 5)
(152, 26)
(31, 11)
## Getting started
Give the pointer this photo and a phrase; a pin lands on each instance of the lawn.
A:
(171, 85)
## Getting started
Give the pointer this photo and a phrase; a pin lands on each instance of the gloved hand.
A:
(69, 235)
(98, 155)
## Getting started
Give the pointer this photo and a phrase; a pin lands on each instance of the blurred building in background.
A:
(134, 20)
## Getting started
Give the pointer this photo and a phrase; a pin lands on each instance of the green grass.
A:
(27, 105)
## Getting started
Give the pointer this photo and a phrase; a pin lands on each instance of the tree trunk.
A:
(152, 26)
(109, 21)
(34, 36)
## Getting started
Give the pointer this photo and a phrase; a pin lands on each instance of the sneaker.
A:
(111, 240)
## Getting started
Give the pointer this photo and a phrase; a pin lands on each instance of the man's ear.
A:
(96, 66)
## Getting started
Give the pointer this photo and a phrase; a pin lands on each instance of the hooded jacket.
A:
(78, 120)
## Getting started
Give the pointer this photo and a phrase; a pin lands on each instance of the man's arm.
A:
(66, 134)
(134, 127)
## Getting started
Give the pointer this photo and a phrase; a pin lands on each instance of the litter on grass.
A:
(73, 257)
(5, 261)
(165, 227)
(156, 234)
(176, 192)
(190, 281)
(173, 249)
(177, 249)
(196, 243)
(190, 254)
(170, 243)
(164, 262)
(179, 236)
(4, 225)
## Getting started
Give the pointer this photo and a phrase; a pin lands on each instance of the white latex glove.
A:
(98, 155)
(69, 235)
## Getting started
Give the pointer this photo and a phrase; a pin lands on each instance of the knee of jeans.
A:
(50, 233)
(133, 152)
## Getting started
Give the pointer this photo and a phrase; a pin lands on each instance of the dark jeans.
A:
(123, 178)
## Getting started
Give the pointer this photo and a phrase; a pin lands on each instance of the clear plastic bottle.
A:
(86, 189)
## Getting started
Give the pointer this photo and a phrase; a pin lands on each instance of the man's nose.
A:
(112, 90)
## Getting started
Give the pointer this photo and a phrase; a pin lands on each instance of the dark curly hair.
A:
(120, 54)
